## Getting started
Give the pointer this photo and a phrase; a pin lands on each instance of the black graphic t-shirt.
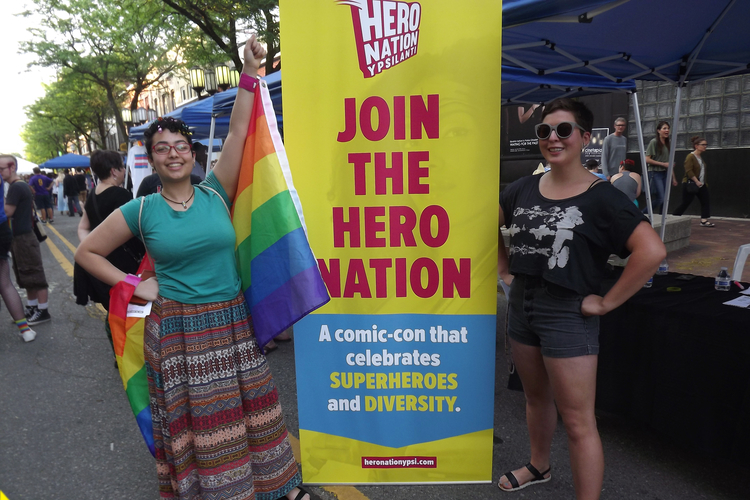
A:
(567, 242)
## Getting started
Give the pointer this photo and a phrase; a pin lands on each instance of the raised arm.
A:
(227, 169)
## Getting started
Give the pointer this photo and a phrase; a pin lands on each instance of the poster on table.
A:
(391, 113)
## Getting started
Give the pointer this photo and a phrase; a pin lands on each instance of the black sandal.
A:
(303, 492)
(538, 479)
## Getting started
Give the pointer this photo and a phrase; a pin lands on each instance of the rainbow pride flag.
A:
(280, 276)
(127, 337)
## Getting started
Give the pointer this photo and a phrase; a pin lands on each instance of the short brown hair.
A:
(582, 114)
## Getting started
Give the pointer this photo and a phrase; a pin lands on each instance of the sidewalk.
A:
(712, 248)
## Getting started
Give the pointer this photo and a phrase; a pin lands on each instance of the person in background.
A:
(628, 181)
(71, 192)
(221, 433)
(614, 149)
(27, 256)
(41, 185)
(80, 178)
(695, 172)
(593, 167)
(62, 201)
(657, 159)
(564, 226)
(199, 168)
(7, 290)
(102, 200)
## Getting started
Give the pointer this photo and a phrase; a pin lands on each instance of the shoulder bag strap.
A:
(220, 197)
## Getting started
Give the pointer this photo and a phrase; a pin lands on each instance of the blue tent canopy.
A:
(627, 39)
(223, 103)
(521, 86)
(69, 160)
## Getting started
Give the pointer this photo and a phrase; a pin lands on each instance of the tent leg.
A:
(210, 143)
(672, 149)
(642, 151)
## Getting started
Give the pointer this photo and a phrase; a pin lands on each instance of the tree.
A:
(110, 44)
(222, 21)
(45, 137)
(77, 102)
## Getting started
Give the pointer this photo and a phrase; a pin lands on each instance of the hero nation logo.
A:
(386, 32)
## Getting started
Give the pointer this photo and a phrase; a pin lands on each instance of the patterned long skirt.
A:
(218, 426)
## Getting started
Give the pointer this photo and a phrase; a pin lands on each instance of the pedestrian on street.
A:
(220, 433)
(41, 185)
(695, 177)
(62, 201)
(27, 256)
(7, 290)
(657, 160)
(564, 225)
(614, 149)
(80, 178)
(70, 190)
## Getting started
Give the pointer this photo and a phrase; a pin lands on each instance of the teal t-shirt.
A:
(193, 250)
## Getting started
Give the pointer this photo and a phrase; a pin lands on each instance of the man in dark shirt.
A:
(82, 187)
(41, 185)
(27, 256)
(70, 191)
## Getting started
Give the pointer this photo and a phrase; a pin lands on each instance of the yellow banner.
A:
(391, 125)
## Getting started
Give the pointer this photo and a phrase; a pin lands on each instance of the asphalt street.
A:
(67, 432)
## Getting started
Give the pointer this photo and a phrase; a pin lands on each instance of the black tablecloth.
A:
(679, 362)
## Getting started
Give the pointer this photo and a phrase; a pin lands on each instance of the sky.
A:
(20, 86)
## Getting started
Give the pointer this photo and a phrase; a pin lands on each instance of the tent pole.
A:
(672, 149)
(211, 143)
(642, 151)
(127, 169)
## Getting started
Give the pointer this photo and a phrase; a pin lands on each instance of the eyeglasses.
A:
(6, 167)
(562, 129)
(163, 148)
(703, 144)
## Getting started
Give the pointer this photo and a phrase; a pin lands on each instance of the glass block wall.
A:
(717, 109)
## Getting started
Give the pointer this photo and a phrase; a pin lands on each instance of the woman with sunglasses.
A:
(564, 225)
(695, 173)
(218, 427)
(657, 161)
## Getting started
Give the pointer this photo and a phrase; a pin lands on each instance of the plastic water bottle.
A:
(722, 280)
(649, 283)
(663, 268)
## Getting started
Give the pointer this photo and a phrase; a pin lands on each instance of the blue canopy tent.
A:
(223, 102)
(521, 86)
(69, 160)
(624, 40)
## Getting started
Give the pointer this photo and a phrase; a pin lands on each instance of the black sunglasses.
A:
(562, 129)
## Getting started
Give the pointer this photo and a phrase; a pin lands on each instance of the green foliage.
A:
(110, 44)
(222, 22)
(72, 107)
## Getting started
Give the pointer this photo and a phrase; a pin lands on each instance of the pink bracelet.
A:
(132, 279)
(247, 82)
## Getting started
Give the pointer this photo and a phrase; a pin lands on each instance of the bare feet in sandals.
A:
(300, 494)
(523, 477)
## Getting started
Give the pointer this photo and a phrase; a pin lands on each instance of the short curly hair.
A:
(166, 123)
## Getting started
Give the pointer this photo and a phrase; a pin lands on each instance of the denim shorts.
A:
(43, 201)
(546, 315)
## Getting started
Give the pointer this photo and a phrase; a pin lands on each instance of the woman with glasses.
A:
(564, 225)
(218, 426)
(657, 161)
(694, 182)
